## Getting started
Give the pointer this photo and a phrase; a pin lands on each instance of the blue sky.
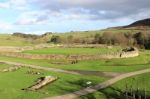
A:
(39, 16)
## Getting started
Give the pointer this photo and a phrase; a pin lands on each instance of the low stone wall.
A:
(10, 69)
(129, 54)
(120, 54)
(10, 49)
(40, 46)
(34, 56)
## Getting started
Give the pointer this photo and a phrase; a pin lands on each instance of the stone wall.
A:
(40, 46)
(120, 54)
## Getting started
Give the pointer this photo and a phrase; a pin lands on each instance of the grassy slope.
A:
(8, 40)
(89, 34)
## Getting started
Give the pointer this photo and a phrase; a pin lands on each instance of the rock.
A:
(13, 68)
(42, 82)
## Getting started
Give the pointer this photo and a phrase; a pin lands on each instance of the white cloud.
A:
(4, 5)
(32, 18)
(19, 4)
(15, 4)
(100, 9)
(6, 26)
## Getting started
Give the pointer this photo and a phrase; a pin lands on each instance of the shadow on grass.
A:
(111, 92)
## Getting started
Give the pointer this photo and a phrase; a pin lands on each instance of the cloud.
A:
(71, 14)
(5, 26)
(15, 4)
(32, 18)
(95, 9)
(4, 5)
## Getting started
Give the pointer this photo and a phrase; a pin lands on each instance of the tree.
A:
(108, 38)
(143, 39)
(97, 38)
(69, 39)
(55, 39)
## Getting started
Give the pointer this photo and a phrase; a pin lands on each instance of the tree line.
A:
(139, 39)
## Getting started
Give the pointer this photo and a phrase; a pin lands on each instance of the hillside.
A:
(130, 35)
(141, 23)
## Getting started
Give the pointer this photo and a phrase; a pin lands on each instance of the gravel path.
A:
(99, 86)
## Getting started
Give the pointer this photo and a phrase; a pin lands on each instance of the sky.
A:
(39, 16)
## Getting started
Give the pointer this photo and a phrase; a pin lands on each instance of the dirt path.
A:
(98, 73)
(99, 86)
(76, 72)
(40, 67)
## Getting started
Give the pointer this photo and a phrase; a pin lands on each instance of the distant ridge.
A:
(140, 23)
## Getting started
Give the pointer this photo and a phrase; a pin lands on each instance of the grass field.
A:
(69, 83)
(8, 40)
(3, 66)
(67, 51)
(117, 65)
(12, 82)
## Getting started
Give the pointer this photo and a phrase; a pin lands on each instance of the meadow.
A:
(12, 82)
(9, 40)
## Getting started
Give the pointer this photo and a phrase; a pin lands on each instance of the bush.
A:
(28, 36)
(55, 39)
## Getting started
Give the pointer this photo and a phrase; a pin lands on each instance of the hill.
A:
(140, 23)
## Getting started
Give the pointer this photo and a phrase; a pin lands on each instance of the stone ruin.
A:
(129, 52)
(128, 49)
(41, 82)
(125, 53)
(34, 72)
(10, 69)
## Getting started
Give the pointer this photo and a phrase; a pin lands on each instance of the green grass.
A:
(12, 82)
(116, 65)
(3, 66)
(67, 51)
(8, 40)
(139, 81)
